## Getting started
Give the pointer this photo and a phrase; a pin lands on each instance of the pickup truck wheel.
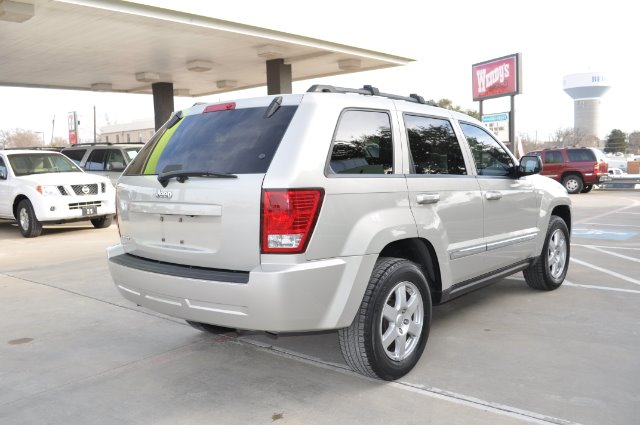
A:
(390, 330)
(573, 183)
(102, 222)
(549, 271)
(587, 188)
(29, 225)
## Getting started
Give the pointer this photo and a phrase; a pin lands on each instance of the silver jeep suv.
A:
(339, 208)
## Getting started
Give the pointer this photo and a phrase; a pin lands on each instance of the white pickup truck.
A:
(615, 172)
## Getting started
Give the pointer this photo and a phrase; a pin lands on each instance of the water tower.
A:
(586, 90)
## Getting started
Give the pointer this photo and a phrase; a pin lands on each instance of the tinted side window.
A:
(491, 159)
(553, 157)
(581, 155)
(362, 144)
(75, 155)
(3, 168)
(96, 160)
(434, 146)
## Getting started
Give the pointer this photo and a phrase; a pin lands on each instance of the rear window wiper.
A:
(273, 107)
(182, 176)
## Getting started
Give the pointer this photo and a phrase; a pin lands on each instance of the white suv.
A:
(40, 187)
(339, 209)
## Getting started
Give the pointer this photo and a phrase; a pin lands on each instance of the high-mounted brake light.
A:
(288, 219)
(220, 107)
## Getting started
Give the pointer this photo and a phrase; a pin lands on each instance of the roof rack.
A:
(91, 144)
(38, 148)
(368, 90)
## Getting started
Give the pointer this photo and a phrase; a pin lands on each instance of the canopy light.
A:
(226, 84)
(101, 87)
(147, 77)
(12, 11)
(349, 64)
(199, 66)
(270, 51)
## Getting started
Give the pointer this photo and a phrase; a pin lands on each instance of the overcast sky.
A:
(445, 38)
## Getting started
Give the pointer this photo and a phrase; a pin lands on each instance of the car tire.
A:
(550, 269)
(29, 225)
(212, 329)
(573, 183)
(390, 330)
(102, 222)
(587, 188)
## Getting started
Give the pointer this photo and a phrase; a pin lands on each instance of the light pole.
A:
(41, 133)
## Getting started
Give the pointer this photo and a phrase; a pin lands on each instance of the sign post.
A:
(73, 128)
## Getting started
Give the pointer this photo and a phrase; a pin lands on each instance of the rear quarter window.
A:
(238, 141)
(577, 155)
(362, 144)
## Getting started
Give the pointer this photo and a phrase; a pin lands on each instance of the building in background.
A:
(133, 132)
(586, 90)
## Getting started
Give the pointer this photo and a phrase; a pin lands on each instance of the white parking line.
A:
(604, 251)
(624, 212)
(461, 399)
(612, 225)
(600, 288)
(617, 211)
(606, 271)
(630, 248)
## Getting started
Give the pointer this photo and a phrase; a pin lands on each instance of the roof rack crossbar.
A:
(368, 90)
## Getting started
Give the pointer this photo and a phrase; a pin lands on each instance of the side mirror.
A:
(3, 174)
(529, 164)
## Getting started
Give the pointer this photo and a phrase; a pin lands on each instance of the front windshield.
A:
(24, 164)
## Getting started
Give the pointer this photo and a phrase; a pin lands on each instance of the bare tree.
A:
(19, 138)
(59, 142)
(566, 137)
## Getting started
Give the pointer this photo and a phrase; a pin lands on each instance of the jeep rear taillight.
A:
(288, 219)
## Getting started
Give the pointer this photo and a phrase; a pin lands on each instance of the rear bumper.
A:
(314, 295)
(604, 178)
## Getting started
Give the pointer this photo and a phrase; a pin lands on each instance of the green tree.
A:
(448, 104)
(616, 141)
(634, 143)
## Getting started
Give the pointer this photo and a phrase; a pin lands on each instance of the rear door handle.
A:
(427, 198)
(493, 195)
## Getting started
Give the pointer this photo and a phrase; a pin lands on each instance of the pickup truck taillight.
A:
(288, 218)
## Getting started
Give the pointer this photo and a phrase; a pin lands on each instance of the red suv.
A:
(578, 169)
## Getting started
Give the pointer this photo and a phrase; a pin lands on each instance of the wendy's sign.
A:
(496, 77)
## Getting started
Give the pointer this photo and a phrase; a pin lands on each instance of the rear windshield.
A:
(581, 155)
(238, 141)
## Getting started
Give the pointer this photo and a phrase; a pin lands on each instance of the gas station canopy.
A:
(119, 46)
